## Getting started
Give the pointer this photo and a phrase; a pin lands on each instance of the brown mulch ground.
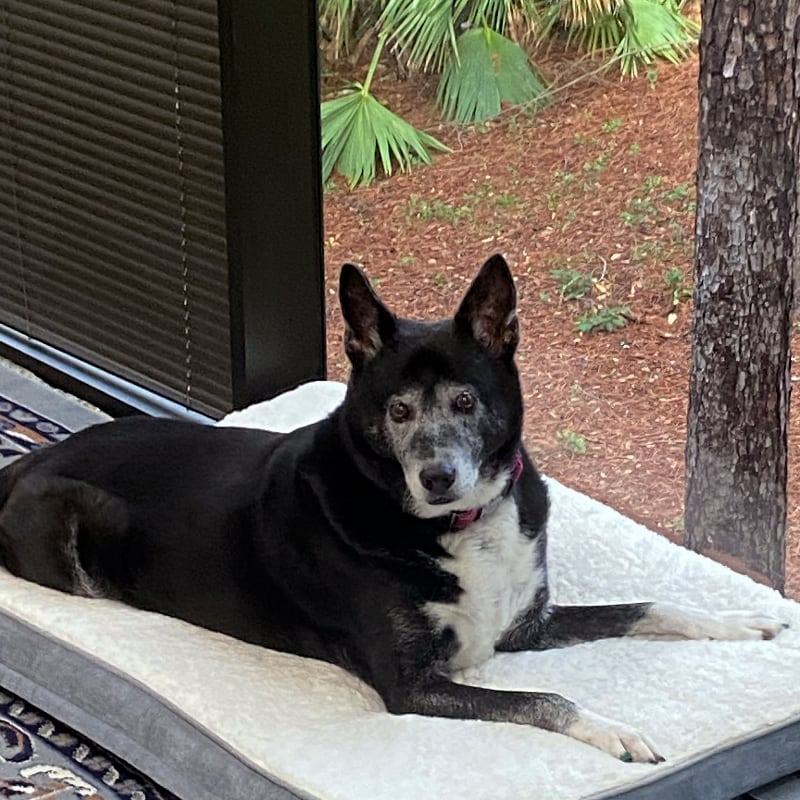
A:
(602, 183)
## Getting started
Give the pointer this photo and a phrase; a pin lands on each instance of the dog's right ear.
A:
(368, 323)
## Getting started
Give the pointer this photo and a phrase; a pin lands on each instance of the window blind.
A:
(112, 190)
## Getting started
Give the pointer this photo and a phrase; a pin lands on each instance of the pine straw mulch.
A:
(601, 182)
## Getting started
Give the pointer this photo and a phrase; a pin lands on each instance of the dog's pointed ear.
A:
(489, 309)
(368, 323)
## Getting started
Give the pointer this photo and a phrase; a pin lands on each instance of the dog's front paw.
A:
(737, 625)
(667, 619)
(621, 741)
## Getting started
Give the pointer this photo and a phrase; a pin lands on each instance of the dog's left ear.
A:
(368, 323)
(489, 309)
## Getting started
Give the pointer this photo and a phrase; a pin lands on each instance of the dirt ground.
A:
(592, 203)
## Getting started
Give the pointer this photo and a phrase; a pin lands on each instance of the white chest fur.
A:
(497, 569)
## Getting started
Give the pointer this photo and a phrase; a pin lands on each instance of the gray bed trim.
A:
(127, 719)
(726, 773)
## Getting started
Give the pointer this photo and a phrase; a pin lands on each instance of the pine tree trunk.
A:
(746, 249)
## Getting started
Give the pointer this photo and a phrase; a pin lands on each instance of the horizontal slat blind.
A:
(112, 204)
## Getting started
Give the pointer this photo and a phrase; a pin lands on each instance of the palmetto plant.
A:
(630, 32)
(475, 48)
(356, 128)
(489, 70)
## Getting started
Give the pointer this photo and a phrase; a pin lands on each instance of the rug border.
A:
(54, 744)
(25, 389)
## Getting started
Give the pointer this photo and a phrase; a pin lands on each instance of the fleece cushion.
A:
(209, 717)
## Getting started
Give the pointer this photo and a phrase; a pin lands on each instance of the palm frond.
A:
(490, 70)
(494, 14)
(631, 32)
(592, 25)
(653, 30)
(584, 12)
(598, 35)
(357, 129)
(338, 22)
(526, 20)
(424, 31)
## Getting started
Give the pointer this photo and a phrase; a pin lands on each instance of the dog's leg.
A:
(442, 698)
(564, 625)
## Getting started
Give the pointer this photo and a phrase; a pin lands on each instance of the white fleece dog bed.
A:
(211, 718)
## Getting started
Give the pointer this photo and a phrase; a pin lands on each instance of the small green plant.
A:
(572, 215)
(562, 176)
(678, 288)
(603, 319)
(598, 165)
(572, 441)
(639, 211)
(507, 200)
(646, 250)
(679, 192)
(546, 298)
(612, 125)
(418, 208)
(479, 193)
(650, 182)
(652, 77)
(677, 234)
(552, 200)
(572, 284)
(635, 149)
(439, 280)
(407, 261)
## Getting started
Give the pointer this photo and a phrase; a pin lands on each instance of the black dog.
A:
(401, 538)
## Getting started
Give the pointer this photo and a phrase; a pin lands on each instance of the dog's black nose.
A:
(437, 478)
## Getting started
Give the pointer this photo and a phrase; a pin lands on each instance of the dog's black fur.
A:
(328, 542)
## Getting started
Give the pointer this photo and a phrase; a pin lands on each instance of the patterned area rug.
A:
(22, 430)
(41, 758)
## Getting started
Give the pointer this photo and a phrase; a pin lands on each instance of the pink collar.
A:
(460, 520)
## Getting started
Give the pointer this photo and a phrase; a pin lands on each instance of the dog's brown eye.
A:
(465, 402)
(399, 411)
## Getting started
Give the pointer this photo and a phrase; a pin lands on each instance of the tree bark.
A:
(746, 249)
